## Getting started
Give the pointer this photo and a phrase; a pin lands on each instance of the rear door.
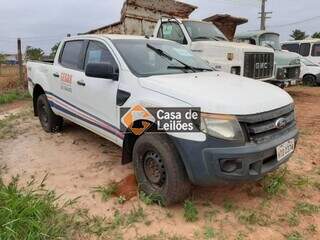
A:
(97, 96)
(66, 73)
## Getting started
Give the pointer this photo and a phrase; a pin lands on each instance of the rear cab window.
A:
(72, 54)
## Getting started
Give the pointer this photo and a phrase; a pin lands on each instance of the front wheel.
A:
(159, 169)
(309, 80)
(50, 122)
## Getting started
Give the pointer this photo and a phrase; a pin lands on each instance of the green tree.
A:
(34, 53)
(54, 50)
(298, 35)
(2, 60)
(316, 35)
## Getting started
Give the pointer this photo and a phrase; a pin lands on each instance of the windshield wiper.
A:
(195, 68)
(269, 45)
(205, 38)
(166, 55)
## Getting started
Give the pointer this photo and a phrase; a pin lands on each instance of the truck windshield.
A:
(157, 57)
(203, 31)
(270, 40)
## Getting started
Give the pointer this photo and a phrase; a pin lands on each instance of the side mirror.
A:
(101, 70)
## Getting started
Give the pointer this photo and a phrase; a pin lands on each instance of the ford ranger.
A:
(247, 128)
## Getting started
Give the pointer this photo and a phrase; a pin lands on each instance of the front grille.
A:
(288, 73)
(258, 65)
(262, 127)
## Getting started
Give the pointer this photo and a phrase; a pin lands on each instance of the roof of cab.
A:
(308, 40)
(254, 33)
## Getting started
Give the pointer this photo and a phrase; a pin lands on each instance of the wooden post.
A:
(20, 60)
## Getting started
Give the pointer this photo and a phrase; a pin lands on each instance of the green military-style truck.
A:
(287, 63)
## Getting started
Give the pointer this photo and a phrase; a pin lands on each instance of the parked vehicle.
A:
(247, 129)
(308, 48)
(310, 72)
(208, 42)
(287, 64)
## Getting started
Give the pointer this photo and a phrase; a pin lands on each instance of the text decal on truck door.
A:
(66, 82)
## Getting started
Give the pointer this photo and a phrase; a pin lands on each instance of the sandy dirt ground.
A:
(76, 160)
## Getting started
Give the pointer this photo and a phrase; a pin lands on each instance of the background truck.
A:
(96, 77)
(206, 40)
(287, 63)
(150, 17)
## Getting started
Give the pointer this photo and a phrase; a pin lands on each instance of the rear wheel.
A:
(309, 80)
(50, 122)
(159, 169)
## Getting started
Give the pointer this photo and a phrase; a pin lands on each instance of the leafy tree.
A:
(316, 35)
(298, 35)
(2, 60)
(54, 50)
(34, 53)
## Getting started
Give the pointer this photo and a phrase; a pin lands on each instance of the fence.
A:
(9, 78)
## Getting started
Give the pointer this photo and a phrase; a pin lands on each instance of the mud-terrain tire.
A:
(309, 80)
(50, 122)
(159, 169)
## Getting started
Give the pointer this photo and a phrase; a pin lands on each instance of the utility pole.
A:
(20, 60)
(264, 15)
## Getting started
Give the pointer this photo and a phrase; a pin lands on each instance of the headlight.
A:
(236, 70)
(221, 126)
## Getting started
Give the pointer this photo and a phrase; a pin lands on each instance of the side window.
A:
(71, 56)
(291, 47)
(305, 49)
(315, 50)
(98, 53)
(172, 31)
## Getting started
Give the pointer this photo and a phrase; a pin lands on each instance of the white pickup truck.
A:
(247, 128)
(208, 42)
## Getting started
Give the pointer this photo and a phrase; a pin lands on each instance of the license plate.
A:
(285, 149)
(294, 82)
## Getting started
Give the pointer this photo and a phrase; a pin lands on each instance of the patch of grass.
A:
(13, 95)
(312, 228)
(150, 199)
(294, 236)
(293, 219)
(241, 236)
(8, 125)
(251, 217)
(31, 213)
(209, 233)
(274, 183)
(210, 215)
(161, 236)
(121, 200)
(190, 211)
(300, 182)
(106, 192)
(305, 208)
(135, 215)
(228, 205)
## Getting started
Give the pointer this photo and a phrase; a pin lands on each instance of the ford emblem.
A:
(281, 123)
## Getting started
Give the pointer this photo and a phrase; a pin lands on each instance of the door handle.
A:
(81, 83)
(56, 75)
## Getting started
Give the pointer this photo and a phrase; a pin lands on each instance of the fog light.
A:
(230, 165)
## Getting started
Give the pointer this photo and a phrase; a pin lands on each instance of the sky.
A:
(42, 23)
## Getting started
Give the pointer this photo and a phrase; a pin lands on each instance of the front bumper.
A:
(203, 161)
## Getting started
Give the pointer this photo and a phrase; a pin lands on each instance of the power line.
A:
(295, 23)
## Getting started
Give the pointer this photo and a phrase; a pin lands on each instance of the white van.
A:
(308, 48)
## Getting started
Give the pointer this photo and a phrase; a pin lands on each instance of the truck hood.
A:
(218, 92)
(286, 58)
(230, 45)
(219, 49)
